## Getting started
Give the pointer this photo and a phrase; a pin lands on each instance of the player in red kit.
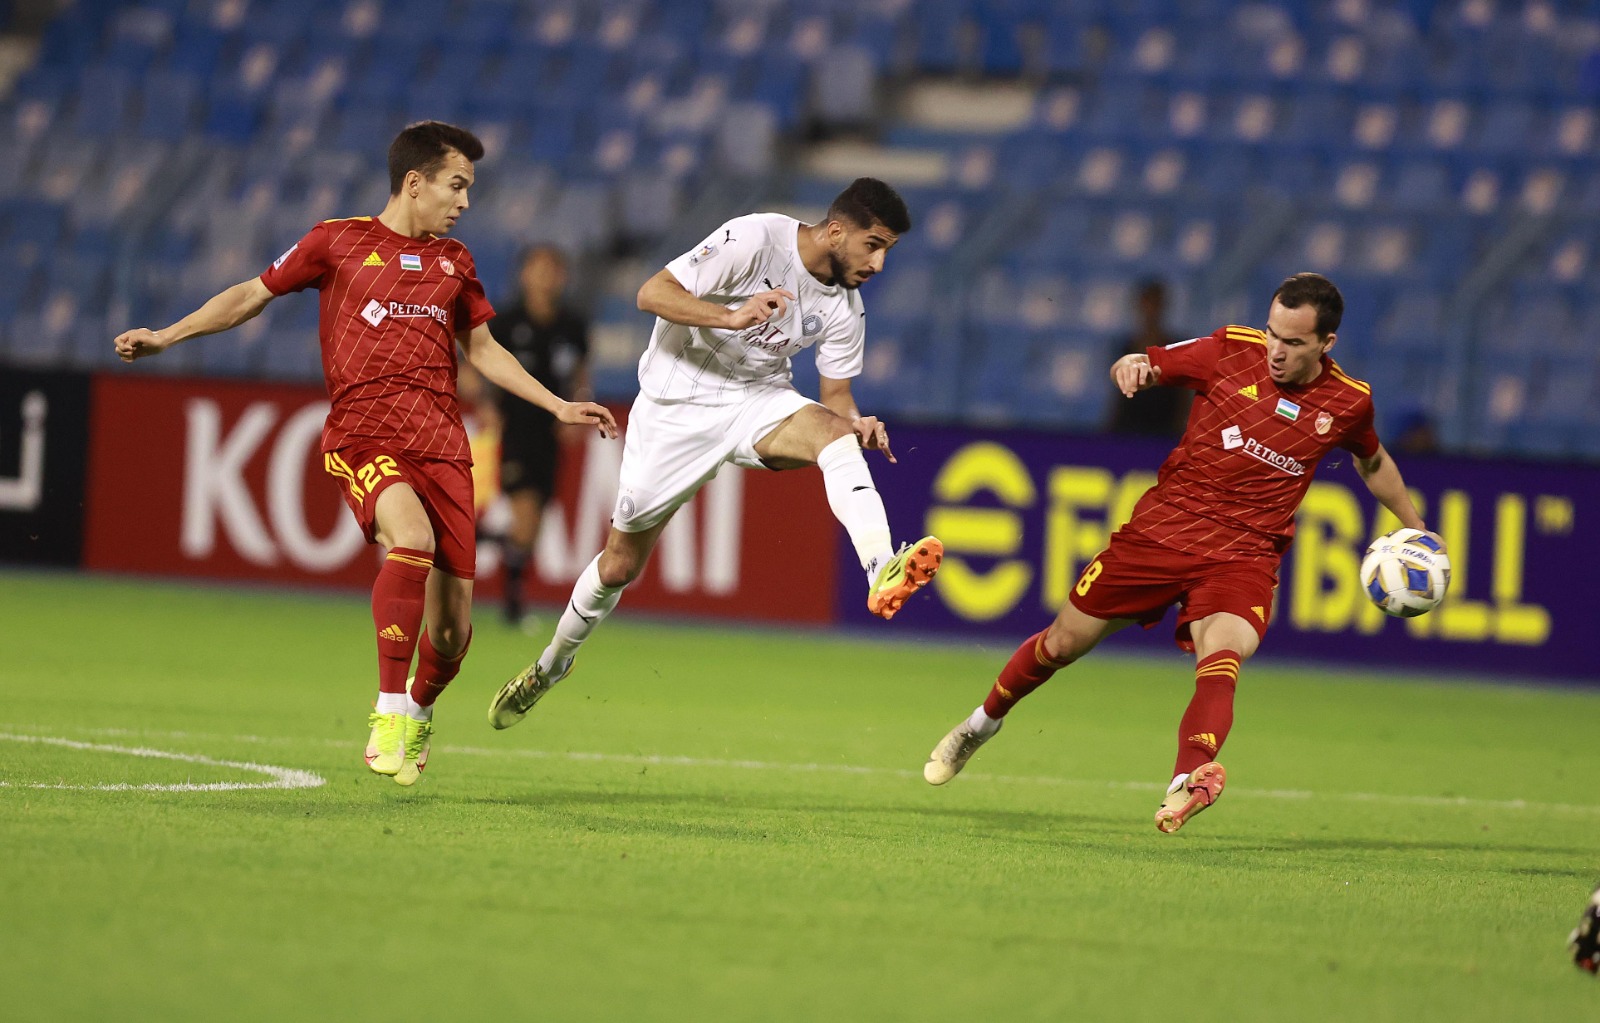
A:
(397, 296)
(1269, 404)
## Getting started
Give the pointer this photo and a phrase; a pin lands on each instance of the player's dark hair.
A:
(1317, 291)
(423, 147)
(869, 201)
(527, 252)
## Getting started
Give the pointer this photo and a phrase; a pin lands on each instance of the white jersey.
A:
(712, 366)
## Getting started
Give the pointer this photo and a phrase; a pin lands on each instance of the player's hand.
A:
(760, 308)
(140, 342)
(587, 413)
(874, 436)
(1132, 374)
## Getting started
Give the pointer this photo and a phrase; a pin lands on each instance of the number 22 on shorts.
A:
(370, 472)
(367, 476)
(1090, 574)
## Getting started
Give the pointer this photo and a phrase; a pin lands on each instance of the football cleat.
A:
(518, 696)
(953, 752)
(384, 753)
(1189, 795)
(906, 573)
(419, 736)
(1584, 941)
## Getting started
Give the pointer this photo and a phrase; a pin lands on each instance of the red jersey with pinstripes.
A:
(391, 308)
(1230, 488)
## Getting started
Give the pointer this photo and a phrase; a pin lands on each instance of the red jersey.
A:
(1231, 487)
(391, 308)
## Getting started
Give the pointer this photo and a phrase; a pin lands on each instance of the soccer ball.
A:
(1405, 573)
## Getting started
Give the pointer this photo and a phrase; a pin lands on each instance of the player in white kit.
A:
(714, 387)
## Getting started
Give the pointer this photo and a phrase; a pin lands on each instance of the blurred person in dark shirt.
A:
(1162, 411)
(1415, 433)
(551, 341)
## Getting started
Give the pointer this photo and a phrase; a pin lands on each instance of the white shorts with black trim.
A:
(672, 449)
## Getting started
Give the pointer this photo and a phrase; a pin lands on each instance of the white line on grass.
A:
(658, 759)
(281, 777)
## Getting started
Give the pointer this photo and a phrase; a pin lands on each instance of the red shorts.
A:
(1140, 581)
(444, 487)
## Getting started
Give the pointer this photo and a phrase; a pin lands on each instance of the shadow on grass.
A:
(694, 813)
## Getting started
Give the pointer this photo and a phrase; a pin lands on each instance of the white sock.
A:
(416, 711)
(982, 723)
(1177, 783)
(392, 703)
(856, 503)
(590, 604)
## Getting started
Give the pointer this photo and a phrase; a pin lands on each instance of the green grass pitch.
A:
(715, 824)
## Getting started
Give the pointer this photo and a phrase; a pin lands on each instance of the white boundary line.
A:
(666, 760)
(282, 777)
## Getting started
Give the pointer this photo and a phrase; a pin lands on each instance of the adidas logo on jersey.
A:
(394, 633)
(1261, 612)
(1249, 392)
(373, 260)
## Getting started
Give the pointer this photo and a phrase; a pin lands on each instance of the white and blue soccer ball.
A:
(1406, 573)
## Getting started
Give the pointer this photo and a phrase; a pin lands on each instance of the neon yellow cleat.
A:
(1188, 796)
(383, 745)
(419, 735)
(525, 689)
(906, 573)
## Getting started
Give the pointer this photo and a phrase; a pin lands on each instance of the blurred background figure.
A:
(1159, 411)
(552, 342)
(1414, 432)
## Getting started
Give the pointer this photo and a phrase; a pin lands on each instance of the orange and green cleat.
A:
(1189, 795)
(906, 573)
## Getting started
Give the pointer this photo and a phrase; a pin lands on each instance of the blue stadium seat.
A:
(937, 30)
(103, 102)
(234, 114)
(912, 368)
(843, 88)
(33, 341)
(1414, 319)
(170, 106)
(39, 223)
(1000, 29)
(1295, 173)
(1507, 127)
(17, 289)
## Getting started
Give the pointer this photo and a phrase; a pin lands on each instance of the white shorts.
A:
(673, 449)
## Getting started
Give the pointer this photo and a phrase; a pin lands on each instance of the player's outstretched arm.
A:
(872, 433)
(663, 296)
(1382, 477)
(502, 369)
(221, 312)
(1133, 373)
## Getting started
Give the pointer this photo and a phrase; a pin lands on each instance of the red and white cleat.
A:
(1188, 796)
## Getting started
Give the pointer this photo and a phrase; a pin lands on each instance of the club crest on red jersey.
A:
(1324, 422)
(448, 267)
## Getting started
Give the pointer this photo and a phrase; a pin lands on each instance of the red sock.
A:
(1029, 668)
(397, 613)
(433, 671)
(1205, 724)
